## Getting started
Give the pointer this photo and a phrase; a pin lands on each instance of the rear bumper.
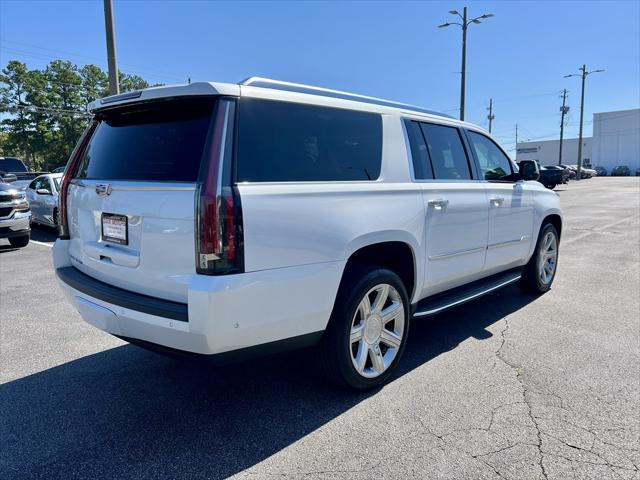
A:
(96, 289)
(16, 226)
(235, 315)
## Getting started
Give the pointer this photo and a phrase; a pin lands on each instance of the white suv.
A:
(226, 220)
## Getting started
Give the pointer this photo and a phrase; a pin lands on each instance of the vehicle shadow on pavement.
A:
(128, 413)
(43, 233)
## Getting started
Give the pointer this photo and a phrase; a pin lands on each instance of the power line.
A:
(58, 111)
(45, 56)
(100, 59)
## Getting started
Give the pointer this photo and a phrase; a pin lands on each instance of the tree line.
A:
(43, 112)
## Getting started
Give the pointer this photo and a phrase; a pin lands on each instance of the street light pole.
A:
(464, 61)
(579, 172)
(464, 25)
(583, 74)
(114, 88)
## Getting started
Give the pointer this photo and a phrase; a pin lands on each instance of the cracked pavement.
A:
(511, 386)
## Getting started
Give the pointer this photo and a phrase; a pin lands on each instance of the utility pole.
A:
(583, 74)
(491, 116)
(114, 88)
(464, 25)
(564, 110)
(516, 140)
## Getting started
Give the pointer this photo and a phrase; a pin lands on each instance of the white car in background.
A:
(42, 194)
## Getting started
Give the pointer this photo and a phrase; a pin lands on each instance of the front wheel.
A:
(368, 328)
(539, 273)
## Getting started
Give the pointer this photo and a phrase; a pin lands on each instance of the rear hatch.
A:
(131, 202)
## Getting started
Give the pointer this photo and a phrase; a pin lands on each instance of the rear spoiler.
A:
(169, 91)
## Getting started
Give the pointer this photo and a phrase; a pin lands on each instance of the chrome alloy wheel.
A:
(548, 258)
(377, 330)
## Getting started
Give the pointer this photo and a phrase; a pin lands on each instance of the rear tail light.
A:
(219, 247)
(69, 173)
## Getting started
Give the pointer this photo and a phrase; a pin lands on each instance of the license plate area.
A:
(115, 228)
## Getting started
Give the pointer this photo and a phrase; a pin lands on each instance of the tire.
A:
(354, 337)
(55, 218)
(551, 186)
(19, 242)
(536, 277)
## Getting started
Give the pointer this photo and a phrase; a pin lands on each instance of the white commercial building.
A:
(547, 151)
(615, 141)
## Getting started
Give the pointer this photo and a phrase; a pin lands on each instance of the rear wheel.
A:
(19, 242)
(539, 273)
(368, 329)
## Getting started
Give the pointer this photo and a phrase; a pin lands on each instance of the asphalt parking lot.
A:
(510, 386)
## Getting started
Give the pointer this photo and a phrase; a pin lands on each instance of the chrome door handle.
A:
(438, 203)
(496, 201)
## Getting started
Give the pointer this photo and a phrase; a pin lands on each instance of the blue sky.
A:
(386, 49)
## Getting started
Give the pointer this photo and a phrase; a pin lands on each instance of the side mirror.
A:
(529, 170)
(43, 191)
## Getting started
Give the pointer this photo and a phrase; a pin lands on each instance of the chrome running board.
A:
(458, 296)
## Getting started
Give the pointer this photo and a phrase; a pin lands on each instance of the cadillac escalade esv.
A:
(226, 219)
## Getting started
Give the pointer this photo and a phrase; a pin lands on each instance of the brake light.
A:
(218, 209)
(69, 173)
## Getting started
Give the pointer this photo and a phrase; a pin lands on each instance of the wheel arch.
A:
(396, 251)
(555, 220)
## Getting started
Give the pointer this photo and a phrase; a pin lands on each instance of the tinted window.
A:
(280, 141)
(494, 164)
(448, 157)
(420, 157)
(160, 141)
(11, 164)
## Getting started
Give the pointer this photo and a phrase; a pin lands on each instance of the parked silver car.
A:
(42, 194)
(14, 216)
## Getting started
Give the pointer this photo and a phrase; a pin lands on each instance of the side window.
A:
(33, 184)
(494, 164)
(289, 142)
(420, 156)
(448, 157)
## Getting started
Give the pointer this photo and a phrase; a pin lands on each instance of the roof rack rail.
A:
(326, 92)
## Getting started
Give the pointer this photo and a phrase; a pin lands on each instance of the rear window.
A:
(11, 164)
(161, 141)
(288, 142)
